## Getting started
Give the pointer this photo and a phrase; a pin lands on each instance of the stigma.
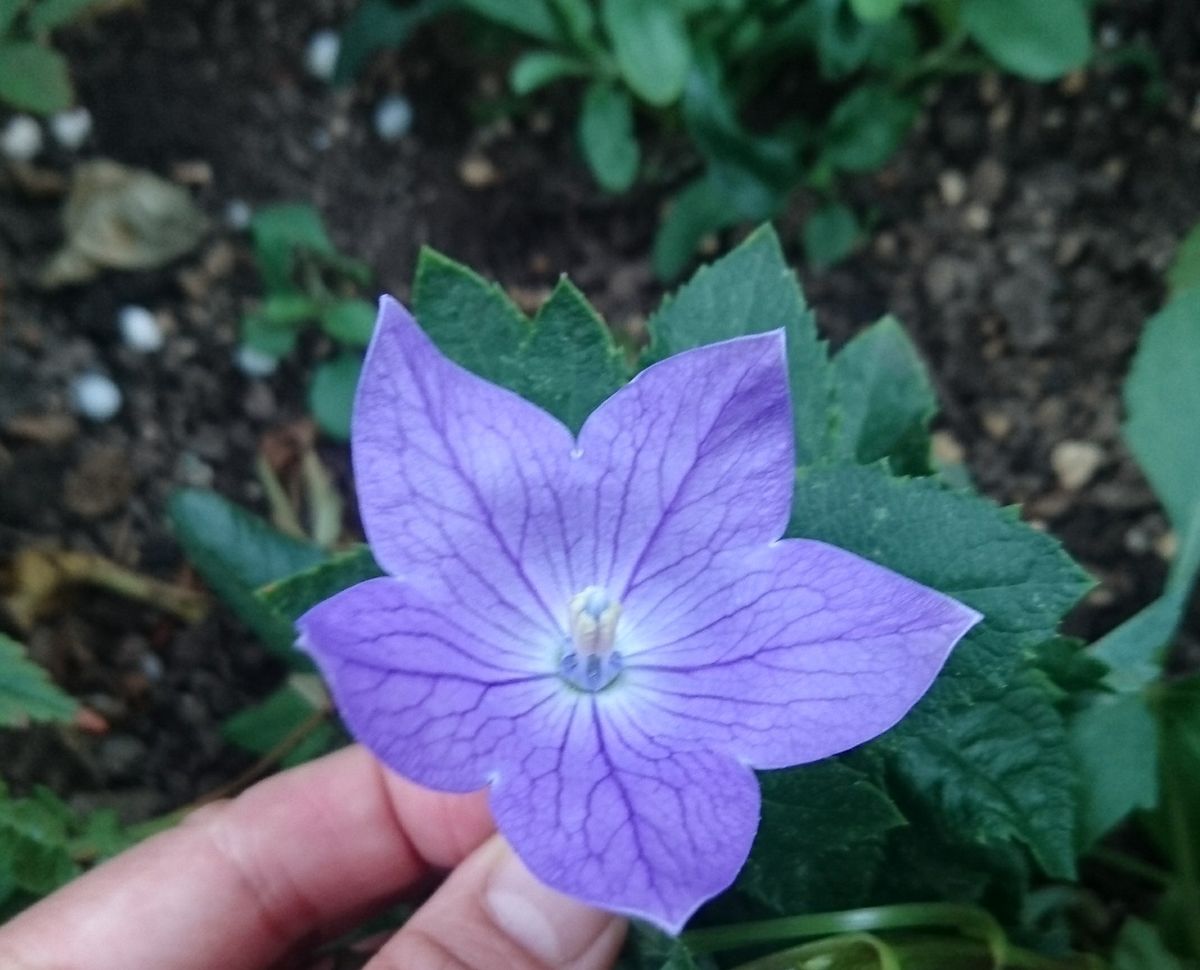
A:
(590, 660)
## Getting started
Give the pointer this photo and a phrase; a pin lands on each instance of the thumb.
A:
(492, 912)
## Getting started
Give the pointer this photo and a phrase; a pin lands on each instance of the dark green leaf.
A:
(1038, 39)
(831, 233)
(1140, 947)
(294, 595)
(280, 716)
(33, 844)
(1115, 743)
(8, 13)
(844, 41)
(820, 840)
(606, 136)
(279, 232)
(752, 290)
(379, 24)
(651, 45)
(648, 948)
(532, 17)
(696, 210)
(26, 691)
(48, 15)
(236, 553)
(536, 69)
(874, 10)
(331, 394)
(1185, 269)
(272, 339)
(885, 400)
(33, 77)
(867, 127)
(351, 322)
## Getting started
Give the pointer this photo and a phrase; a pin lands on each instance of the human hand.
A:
(299, 858)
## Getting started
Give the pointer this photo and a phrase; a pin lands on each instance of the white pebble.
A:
(238, 214)
(140, 329)
(393, 117)
(254, 363)
(21, 139)
(95, 397)
(322, 55)
(72, 127)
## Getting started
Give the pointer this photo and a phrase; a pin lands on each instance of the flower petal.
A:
(457, 479)
(618, 820)
(693, 456)
(787, 654)
(436, 694)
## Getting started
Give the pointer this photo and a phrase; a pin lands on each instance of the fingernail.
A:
(550, 926)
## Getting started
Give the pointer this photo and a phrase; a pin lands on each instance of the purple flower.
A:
(608, 630)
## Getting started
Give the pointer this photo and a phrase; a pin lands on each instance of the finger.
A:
(238, 887)
(491, 912)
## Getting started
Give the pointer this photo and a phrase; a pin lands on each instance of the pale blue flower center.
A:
(590, 660)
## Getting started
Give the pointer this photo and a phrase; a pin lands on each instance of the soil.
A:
(1021, 235)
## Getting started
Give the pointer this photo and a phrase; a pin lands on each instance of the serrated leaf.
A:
(351, 322)
(651, 45)
(985, 746)
(831, 234)
(565, 361)
(26, 691)
(33, 77)
(279, 231)
(606, 136)
(1038, 39)
(536, 69)
(885, 400)
(752, 290)
(237, 553)
(1185, 268)
(821, 838)
(294, 595)
(331, 394)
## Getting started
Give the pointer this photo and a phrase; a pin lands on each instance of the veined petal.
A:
(617, 819)
(442, 698)
(693, 456)
(786, 654)
(459, 480)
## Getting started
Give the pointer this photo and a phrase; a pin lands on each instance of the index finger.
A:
(291, 857)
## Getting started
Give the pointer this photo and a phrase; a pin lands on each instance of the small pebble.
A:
(21, 139)
(393, 117)
(95, 397)
(140, 329)
(953, 187)
(254, 363)
(321, 57)
(71, 127)
(238, 214)
(1075, 462)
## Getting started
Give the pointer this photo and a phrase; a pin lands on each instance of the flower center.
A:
(590, 661)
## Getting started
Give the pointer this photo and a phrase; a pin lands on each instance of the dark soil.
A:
(1021, 236)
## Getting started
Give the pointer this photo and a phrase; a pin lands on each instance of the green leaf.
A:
(236, 553)
(698, 209)
(872, 11)
(269, 338)
(48, 15)
(266, 725)
(1140, 947)
(295, 595)
(1185, 269)
(606, 136)
(648, 948)
(752, 290)
(331, 394)
(1134, 651)
(379, 24)
(867, 127)
(1038, 39)
(26, 691)
(985, 748)
(33, 844)
(8, 13)
(651, 45)
(821, 838)
(536, 69)
(1117, 777)
(351, 322)
(831, 233)
(885, 400)
(564, 362)
(532, 17)
(33, 77)
(279, 231)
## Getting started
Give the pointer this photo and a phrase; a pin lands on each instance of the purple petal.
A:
(786, 654)
(444, 699)
(693, 456)
(619, 820)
